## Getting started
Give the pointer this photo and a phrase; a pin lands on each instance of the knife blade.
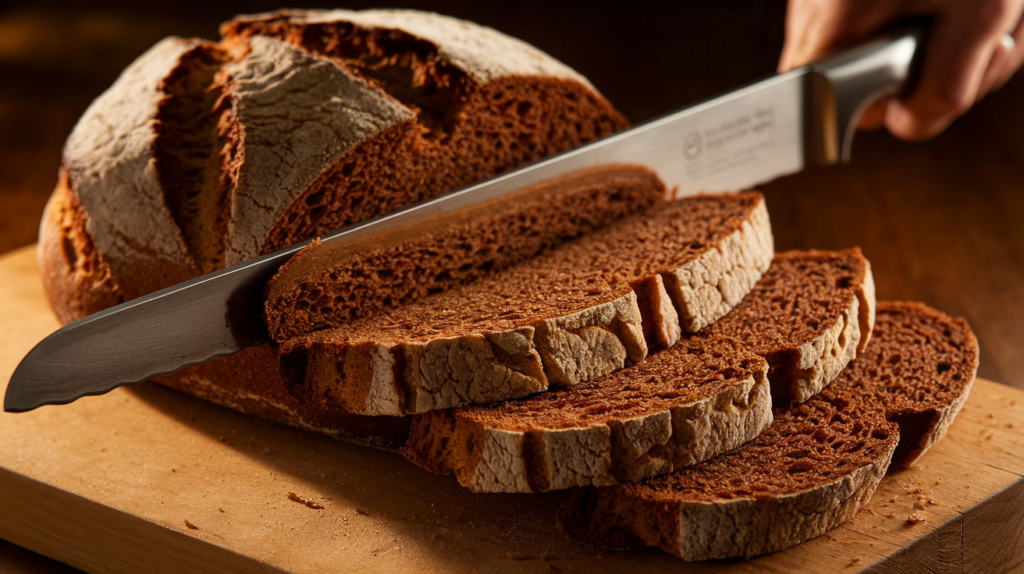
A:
(746, 137)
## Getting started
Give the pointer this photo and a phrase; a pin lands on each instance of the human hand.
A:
(967, 55)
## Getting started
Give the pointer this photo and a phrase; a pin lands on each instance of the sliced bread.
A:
(814, 467)
(668, 411)
(323, 287)
(809, 315)
(563, 318)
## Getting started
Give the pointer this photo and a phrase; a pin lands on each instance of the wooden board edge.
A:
(75, 530)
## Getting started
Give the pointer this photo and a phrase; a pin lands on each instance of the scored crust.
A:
(108, 162)
(562, 318)
(814, 467)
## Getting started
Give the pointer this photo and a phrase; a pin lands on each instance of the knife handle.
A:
(841, 86)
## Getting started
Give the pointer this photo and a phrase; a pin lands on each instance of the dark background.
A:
(940, 221)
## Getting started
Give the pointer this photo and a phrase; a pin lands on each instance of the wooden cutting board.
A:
(146, 479)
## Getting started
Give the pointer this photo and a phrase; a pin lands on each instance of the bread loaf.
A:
(814, 467)
(203, 154)
(562, 318)
(699, 398)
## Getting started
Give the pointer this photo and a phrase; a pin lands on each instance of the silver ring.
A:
(1008, 43)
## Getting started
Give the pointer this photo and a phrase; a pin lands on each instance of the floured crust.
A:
(491, 451)
(484, 53)
(301, 113)
(76, 278)
(108, 159)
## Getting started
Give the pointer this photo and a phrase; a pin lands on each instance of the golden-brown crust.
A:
(76, 279)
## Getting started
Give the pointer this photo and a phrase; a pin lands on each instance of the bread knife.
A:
(740, 139)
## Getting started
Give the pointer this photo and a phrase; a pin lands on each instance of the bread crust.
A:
(76, 277)
(707, 288)
(746, 527)
(489, 458)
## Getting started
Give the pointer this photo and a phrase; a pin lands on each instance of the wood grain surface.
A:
(940, 220)
(148, 479)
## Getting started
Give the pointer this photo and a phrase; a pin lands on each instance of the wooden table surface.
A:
(940, 221)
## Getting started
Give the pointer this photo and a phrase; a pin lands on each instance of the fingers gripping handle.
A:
(840, 87)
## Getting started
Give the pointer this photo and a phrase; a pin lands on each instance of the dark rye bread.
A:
(678, 407)
(203, 153)
(650, 439)
(921, 370)
(565, 317)
(809, 315)
(321, 287)
(814, 467)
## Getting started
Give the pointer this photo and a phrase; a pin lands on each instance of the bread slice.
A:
(814, 467)
(809, 315)
(631, 436)
(562, 318)
(921, 371)
(677, 407)
(322, 287)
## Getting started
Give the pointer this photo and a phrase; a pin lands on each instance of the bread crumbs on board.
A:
(190, 526)
(913, 519)
(308, 503)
